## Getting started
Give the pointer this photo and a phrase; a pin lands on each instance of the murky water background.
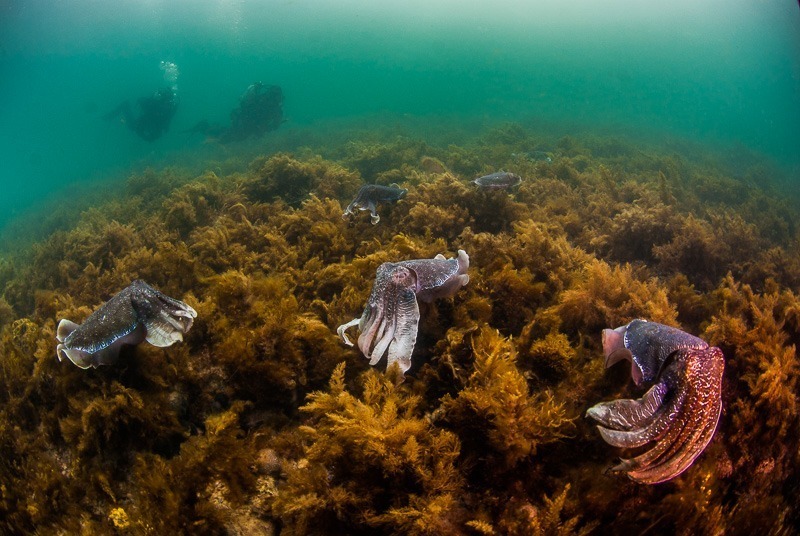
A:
(723, 73)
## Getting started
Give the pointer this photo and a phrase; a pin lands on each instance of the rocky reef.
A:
(262, 422)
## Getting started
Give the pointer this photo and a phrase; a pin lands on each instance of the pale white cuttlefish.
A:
(137, 313)
(391, 317)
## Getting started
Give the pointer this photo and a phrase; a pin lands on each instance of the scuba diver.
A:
(153, 117)
(155, 112)
(260, 111)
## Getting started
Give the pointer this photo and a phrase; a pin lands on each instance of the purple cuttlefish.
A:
(678, 414)
(391, 316)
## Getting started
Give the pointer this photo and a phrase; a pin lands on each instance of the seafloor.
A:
(262, 422)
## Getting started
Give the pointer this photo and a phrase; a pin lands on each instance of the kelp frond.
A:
(495, 408)
(371, 459)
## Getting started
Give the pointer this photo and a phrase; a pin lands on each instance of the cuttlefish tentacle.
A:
(632, 423)
(679, 414)
(165, 319)
(374, 323)
(137, 313)
(391, 317)
(694, 423)
(342, 330)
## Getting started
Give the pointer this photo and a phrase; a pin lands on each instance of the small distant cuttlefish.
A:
(370, 195)
(501, 180)
(137, 313)
(391, 316)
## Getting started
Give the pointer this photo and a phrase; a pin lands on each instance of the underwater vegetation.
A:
(263, 422)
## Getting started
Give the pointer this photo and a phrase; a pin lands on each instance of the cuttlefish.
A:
(137, 313)
(370, 195)
(678, 414)
(391, 316)
(500, 180)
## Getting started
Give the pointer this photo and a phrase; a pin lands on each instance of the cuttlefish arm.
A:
(678, 414)
(362, 204)
(166, 319)
(137, 313)
(390, 319)
(394, 327)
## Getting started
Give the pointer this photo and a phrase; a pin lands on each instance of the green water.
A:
(725, 74)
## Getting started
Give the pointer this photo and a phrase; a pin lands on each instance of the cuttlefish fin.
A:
(65, 327)
(79, 357)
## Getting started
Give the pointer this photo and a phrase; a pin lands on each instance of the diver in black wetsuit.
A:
(260, 111)
(154, 114)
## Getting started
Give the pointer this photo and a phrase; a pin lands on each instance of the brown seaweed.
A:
(253, 426)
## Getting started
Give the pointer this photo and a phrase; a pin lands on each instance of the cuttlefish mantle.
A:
(137, 313)
(370, 195)
(391, 316)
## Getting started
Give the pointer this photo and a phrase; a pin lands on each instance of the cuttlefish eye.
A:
(678, 415)
(403, 277)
